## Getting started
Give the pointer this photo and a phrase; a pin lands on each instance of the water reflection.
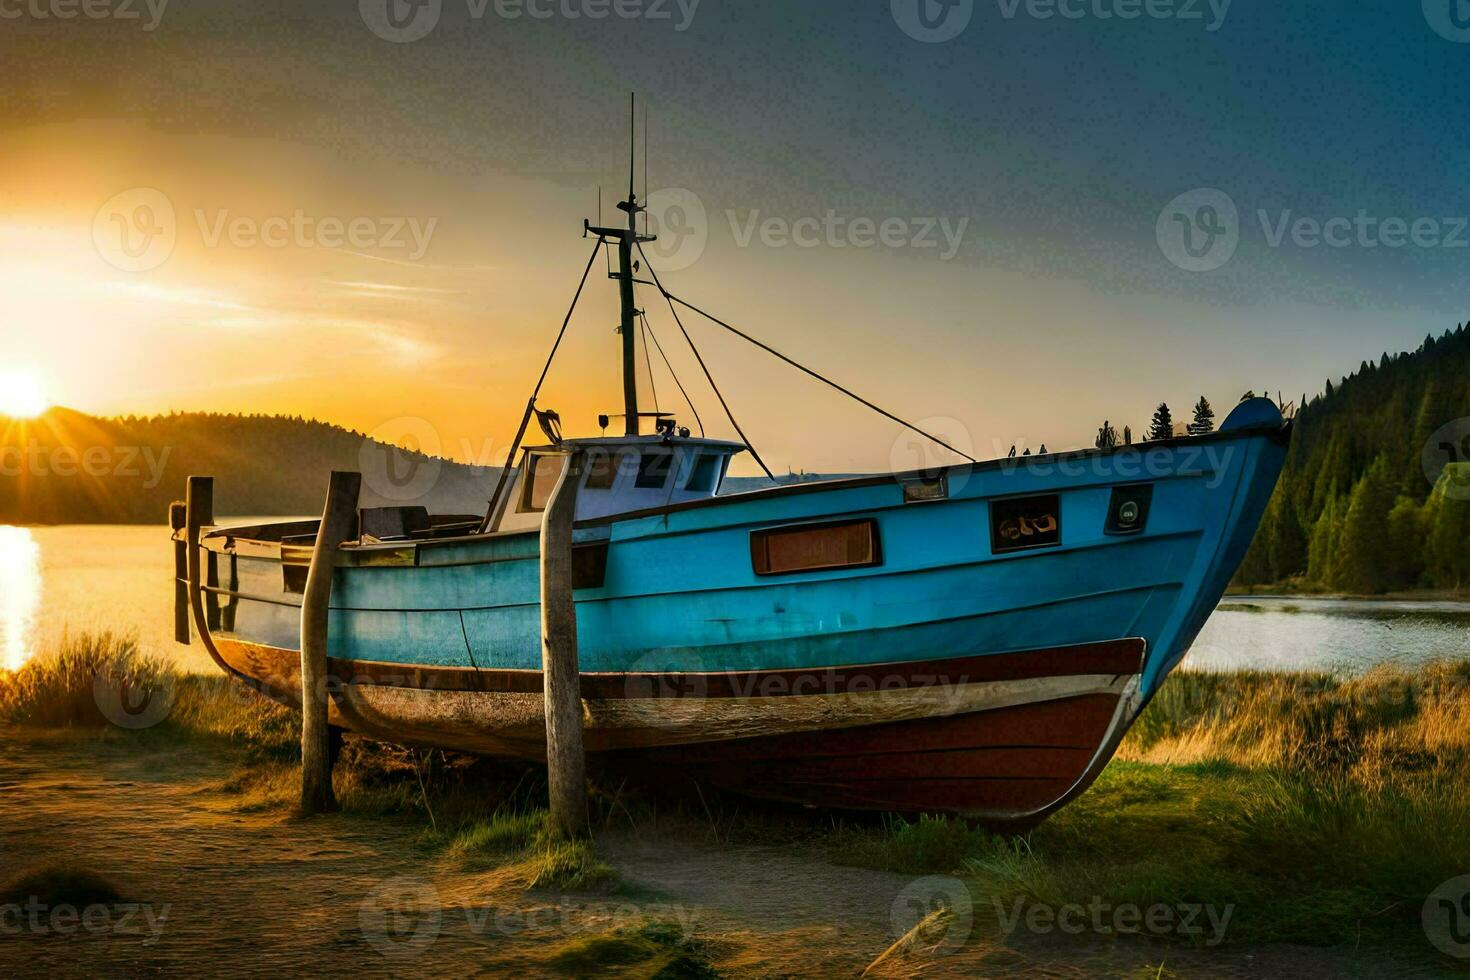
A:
(1344, 636)
(20, 594)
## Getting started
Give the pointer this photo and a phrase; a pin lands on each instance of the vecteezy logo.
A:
(677, 216)
(132, 702)
(401, 917)
(1199, 230)
(136, 231)
(399, 459)
(932, 21)
(936, 911)
(1446, 917)
(1449, 446)
(656, 695)
(1450, 19)
(400, 21)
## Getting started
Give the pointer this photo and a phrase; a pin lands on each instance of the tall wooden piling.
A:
(565, 762)
(178, 520)
(339, 518)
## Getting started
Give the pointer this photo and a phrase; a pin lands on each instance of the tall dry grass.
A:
(102, 681)
(1316, 809)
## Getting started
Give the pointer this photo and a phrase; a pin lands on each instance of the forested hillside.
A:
(1375, 495)
(66, 467)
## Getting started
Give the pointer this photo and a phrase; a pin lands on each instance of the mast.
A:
(626, 239)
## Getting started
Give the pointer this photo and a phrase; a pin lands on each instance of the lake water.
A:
(121, 578)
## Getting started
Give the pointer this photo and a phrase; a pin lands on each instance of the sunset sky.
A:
(221, 135)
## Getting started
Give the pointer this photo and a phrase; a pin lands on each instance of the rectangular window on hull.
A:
(813, 547)
(1020, 523)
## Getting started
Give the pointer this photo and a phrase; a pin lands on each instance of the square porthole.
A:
(1022, 523)
(1128, 509)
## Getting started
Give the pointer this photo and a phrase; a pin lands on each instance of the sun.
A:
(22, 395)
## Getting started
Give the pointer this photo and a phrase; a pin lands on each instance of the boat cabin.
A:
(621, 474)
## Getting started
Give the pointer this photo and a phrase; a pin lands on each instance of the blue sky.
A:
(1054, 146)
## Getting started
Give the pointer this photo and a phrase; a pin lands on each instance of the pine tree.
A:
(1204, 418)
(1363, 562)
(1162, 426)
(1288, 542)
(1404, 560)
(1322, 550)
(1446, 523)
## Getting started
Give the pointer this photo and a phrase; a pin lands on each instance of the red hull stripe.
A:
(1118, 657)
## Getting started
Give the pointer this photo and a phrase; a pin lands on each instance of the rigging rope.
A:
(703, 367)
(801, 367)
(673, 374)
(648, 361)
(510, 457)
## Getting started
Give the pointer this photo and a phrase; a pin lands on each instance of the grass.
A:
(83, 684)
(653, 950)
(1313, 809)
(1316, 809)
(521, 841)
(101, 682)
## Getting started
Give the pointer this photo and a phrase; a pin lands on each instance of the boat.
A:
(972, 638)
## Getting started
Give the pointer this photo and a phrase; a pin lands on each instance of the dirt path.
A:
(226, 893)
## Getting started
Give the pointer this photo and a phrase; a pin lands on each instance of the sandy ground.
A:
(228, 893)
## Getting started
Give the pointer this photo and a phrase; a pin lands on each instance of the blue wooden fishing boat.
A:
(974, 638)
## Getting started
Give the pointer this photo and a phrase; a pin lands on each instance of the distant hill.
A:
(1375, 495)
(66, 467)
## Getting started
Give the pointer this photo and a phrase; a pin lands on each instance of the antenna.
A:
(645, 155)
(632, 139)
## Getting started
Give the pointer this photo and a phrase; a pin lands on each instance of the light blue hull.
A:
(680, 592)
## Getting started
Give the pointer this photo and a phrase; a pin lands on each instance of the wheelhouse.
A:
(621, 474)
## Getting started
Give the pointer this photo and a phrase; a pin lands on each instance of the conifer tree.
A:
(1204, 418)
(1446, 523)
(1162, 426)
(1363, 562)
(1288, 542)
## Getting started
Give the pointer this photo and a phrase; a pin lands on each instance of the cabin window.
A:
(1019, 523)
(654, 469)
(811, 547)
(542, 475)
(702, 476)
(293, 578)
(602, 470)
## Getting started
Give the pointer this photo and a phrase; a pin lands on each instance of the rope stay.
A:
(515, 444)
(672, 373)
(648, 362)
(803, 368)
(704, 367)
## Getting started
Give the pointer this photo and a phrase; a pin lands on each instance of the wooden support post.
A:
(338, 521)
(177, 521)
(566, 764)
(198, 514)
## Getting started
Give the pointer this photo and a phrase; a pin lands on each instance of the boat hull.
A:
(1001, 738)
(947, 670)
